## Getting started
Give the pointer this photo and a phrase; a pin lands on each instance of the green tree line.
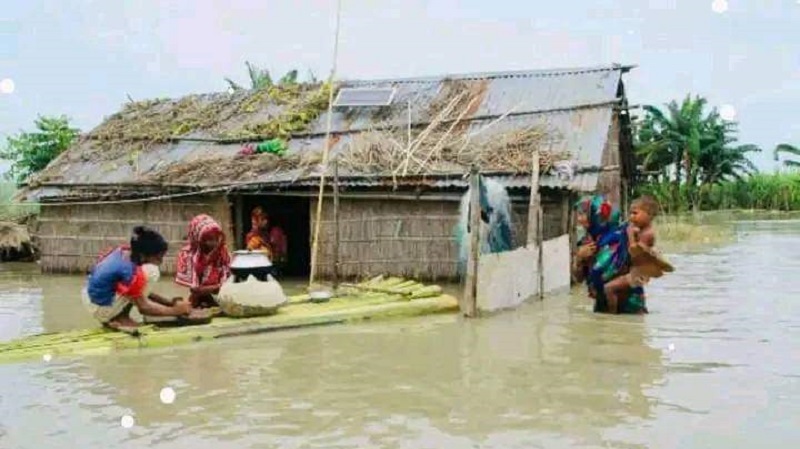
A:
(690, 159)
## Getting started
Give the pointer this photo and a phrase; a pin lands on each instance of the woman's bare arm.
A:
(149, 307)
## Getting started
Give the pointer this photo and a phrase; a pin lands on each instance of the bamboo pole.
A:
(573, 236)
(540, 249)
(336, 236)
(534, 201)
(469, 301)
(535, 223)
(298, 313)
(326, 149)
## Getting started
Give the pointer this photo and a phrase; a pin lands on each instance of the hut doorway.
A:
(292, 214)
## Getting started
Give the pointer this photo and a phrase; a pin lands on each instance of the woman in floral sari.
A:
(597, 217)
(612, 260)
(204, 262)
(603, 254)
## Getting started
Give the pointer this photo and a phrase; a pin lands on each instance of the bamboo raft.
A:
(377, 299)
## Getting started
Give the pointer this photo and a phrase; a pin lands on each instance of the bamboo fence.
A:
(71, 237)
(407, 238)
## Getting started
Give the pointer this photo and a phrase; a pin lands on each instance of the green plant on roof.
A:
(283, 110)
(267, 111)
(298, 113)
(261, 78)
(30, 152)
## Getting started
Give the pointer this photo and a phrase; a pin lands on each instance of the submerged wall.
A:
(72, 236)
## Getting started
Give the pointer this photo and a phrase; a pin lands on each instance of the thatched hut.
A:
(15, 242)
(401, 165)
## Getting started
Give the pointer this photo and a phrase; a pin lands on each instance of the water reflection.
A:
(714, 365)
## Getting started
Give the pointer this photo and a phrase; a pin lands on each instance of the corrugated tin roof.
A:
(581, 132)
(580, 182)
(577, 103)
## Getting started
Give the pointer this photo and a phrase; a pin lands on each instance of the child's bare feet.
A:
(124, 324)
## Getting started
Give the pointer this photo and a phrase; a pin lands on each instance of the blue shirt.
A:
(103, 279)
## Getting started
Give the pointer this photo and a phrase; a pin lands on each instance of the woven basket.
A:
(233, 309)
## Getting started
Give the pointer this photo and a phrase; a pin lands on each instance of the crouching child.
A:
(123, 278)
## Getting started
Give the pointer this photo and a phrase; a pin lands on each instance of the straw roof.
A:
(435, 126)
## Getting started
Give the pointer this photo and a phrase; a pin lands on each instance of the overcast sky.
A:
(81, 58)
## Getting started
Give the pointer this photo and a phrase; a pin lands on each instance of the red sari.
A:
(196, 269)
(273, 241)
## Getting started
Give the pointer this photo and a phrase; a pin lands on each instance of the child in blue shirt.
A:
(118, 282)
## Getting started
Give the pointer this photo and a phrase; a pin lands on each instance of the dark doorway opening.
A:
(292, 214)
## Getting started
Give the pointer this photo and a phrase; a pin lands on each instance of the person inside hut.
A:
(597, 216)
(123, 278)
(204, 262)
(266, 237)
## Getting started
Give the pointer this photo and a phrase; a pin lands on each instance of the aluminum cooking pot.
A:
(246, 263)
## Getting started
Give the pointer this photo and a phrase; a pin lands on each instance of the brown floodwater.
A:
(715, 365)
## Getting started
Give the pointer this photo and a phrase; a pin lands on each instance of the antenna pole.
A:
(326, 149)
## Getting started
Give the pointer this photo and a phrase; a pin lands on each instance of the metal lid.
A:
(250, 259)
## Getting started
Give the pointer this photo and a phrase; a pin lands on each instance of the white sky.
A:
(81, 58)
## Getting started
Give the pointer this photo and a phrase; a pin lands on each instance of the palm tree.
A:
(671, 139)
(699, 148)
(789, 149)
(720, 159)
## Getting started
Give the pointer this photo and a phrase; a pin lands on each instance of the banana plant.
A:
(787, 149)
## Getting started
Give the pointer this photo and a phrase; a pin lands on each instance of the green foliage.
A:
(691, 150)
(11, 210)
(779, 191)
(262, 79)
(30, 152)
(295, 118)
(787, 149)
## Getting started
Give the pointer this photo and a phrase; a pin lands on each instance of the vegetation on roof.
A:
(261, 78)
(275, 111)
(450, 144)
(224, 170)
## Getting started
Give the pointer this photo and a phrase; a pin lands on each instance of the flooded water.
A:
(715, 365)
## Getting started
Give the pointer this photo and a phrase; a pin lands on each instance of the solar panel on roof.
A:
(354, 97)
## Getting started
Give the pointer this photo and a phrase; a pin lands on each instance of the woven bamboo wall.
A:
(71, 237)
(406, 237)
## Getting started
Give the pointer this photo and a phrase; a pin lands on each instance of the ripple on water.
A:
(718, 353)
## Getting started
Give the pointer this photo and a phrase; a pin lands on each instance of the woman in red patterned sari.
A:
(204, 262)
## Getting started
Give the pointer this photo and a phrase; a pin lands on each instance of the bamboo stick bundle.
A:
(446, 151)
(398, 298)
